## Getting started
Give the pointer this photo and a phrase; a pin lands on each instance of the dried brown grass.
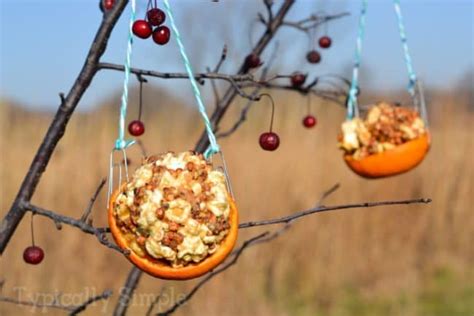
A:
(377, 252)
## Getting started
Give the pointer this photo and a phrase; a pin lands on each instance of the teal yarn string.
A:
(352, 107)
(403, 38)
(121, 143)
(213, 147)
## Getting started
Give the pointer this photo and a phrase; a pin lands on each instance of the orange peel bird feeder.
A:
(389, 139)
(175, 217)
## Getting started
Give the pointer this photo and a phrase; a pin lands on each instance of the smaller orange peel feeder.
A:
(391, 140)
(175, 216)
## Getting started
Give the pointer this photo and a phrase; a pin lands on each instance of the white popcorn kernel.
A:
(156, 250)
(209, 239)
(218, 208)
(178, 211)
(350, 140)
(156, 197)
(197, 188)
(147, 215)
(123, 212)
(192, 246)
(143, 176)
(373, 115)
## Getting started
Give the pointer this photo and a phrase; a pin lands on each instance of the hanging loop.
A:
(121, 143)
(352, 105)
(213, 147)
(403, 38)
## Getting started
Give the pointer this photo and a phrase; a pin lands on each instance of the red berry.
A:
(269, 141)
(252, 61)
(161, 35)
(297, 79)
(156, 16)
(33, 255)
(141, 29)
(309, 121)
(313, 57)
(136, 128)
(105, 5)
(325, 42)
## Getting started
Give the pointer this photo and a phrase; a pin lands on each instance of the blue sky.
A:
(44, 43)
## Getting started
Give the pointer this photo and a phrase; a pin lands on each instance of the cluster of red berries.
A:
(152, 26)
(313, 56)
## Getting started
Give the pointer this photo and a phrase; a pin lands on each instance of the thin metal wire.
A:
(112, 167)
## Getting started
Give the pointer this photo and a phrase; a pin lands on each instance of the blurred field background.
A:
(400, 260)
(411, 260)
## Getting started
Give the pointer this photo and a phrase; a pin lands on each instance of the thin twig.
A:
(268, 6)
(105, 295)
(177, 75)
(254, 94)
(216, 70)
(221, 60)
(155, 301)
(88, 210)
(313, 21)
(212, 274)
(85, 227)
(127, 291)
(327, 193)
(58, 125)
(320, 209)
(215, 91)
(259, 239)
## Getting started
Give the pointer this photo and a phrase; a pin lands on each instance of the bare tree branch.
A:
(255, 93)
(178, 75)
(313, 21)
(155, 301)
(105, 295)
(221, 60)
(58, 125)
(238, 83)
(259, 239)
(231, 92)
(212, 274)
(88, 210)
(126, 292)
(86, 228)
(216, 70)
(320, 209)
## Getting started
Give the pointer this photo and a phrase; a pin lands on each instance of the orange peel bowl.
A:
(160, 269)
(391, 162)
